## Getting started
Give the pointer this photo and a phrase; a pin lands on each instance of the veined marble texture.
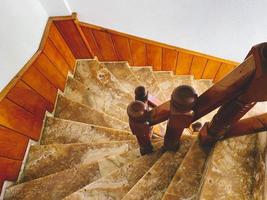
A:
(58, 185)
(60, 131)
(186, 181)
(147, 79)
(78, 92)
(166, 83)
(47, 159)
(70, 110)
(183, 80)
(118, 183)
(123, 73)
(155, 182)
(98, 78)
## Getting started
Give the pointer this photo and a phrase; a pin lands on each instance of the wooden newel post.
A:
(139, 125)
(141, 94)
(182, 101)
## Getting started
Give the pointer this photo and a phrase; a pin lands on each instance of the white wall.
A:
(222, 28)
(22, 25)
(56, 7)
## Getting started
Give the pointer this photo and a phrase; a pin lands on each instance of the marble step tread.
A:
(61, 131)
(116, 184)
(182, 80)
(122, 72)
(148, 80)
(47, 159)
(201, 85)
(50, 187)
(156, 180)
(186, 181)
(166, 83)
(70, 110)
(78, 92)
(229, 173)
(100, 80)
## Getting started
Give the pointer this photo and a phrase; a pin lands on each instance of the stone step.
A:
(100, 80)
(50, 187)
(201, 85)
(48, 159)
(148, 80)
(166, 83)
(122, 72)
(183, 80)
(78, 92)
(116, 184)
(230, 170)
(70, 110)
(186, 181)
(155, 182)
(60, 131)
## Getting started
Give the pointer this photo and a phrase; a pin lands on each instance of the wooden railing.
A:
(236, 93)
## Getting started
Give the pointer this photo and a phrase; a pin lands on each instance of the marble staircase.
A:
(87, 150)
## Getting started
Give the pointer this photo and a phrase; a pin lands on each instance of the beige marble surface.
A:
(60, 131)
(182, 80)
(100, 80)
(147, 79)
(186, 181)
(47, 159)
(59, 185)
(122, 72)
(70, 110)
(155, 182)
(230, 170)
(78, 92)
(118, 183)
(165, 80)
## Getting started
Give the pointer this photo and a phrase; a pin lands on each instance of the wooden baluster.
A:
(196, 127)
(183, 99)
(137, 112)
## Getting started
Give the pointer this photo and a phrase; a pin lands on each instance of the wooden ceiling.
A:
(110, 45)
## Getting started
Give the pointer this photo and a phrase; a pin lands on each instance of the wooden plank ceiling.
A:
(109, 45)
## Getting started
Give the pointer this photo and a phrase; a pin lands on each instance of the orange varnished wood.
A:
(222, 71)
(61, 46)
(74, 40)
(184, 62)
(169, 59)
(211, 69)
(12, 144)
(56, 58)
(50, 71)
(17, 118)
(30, 100)
(40, 84)
(105, 44)
(1, 183)
(138, 50)
(91, 41)
(154, 56)
(9, 169)
(197, 67)
(122, 47)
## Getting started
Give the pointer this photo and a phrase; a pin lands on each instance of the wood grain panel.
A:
(105, 45)
(56, 58)
(122, 47)
(169, 59)
(198, 66)
(184, 63)
(40, 84)
(138, 50)
(211, 69)
(29, 99)
(73, 38)
(9, 169)
(91, 41)
(61, 46)
(50, 71)
(224, 70)
(16, 118)
(154, 56)
(1, 184)
(12, 144)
